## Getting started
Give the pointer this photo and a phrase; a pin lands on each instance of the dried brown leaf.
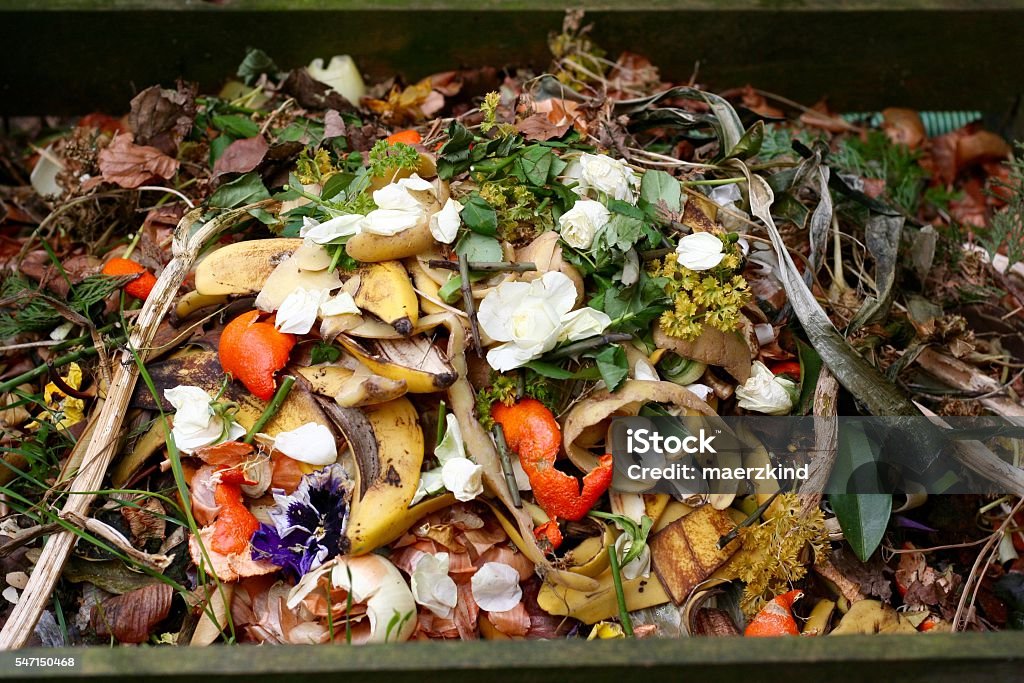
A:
(144, 520)
(130, 618)
(129, 165)
(163, 117)
(241, 156)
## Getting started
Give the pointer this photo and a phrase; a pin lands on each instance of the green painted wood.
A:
(71, 62)
(935, 658)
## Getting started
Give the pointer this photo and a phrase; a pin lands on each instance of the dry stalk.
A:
(188, 241)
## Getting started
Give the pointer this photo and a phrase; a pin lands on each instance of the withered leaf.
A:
(312, 94)
(334, 126)
(162, 117)
(686, 552)
(131, 617)
(129, 165)
(144, 520)
(714, 347)
(241, 156)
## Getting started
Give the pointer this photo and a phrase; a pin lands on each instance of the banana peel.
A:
(242, 267)
(422, 366)
(193, 301)
(601, 603)
(386, 290)
(426, 285)
(387, 446)
(352, 388)
(201, 368)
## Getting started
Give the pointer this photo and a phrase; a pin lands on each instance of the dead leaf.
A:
(714, 347)
(241, 156)
(870, 577)
(129, 165)
(130, 618)
(162, 117)
(144, 520)
(312, 94)
(686, 551)
(924, 586)
(217, 604)
(756, 102)
(334, 125)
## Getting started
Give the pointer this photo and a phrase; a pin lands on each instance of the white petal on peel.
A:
(299, 310)
(452, 445)
(312, 443)
(396, 197)
(444, 225)
(429, 484)
(432, 587)
(339, 304)
(389, 222)
(702, 391)
(328, 231)
(582, 323)
(496, 587)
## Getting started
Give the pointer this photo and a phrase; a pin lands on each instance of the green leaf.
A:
(324, 353)
(623, 208)
(454, 156)
(612, 364)
(480, 217)
(236, 125)
(554, 371)
(335, 184)
(863, 518)
(535, 163)
(217, 147)
(256, 62)
(479, 247)
(810, 370)
(244, 190)
(659, 186)
(750, 144)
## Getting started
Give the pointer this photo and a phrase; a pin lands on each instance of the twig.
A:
(485, 266)
(27, 536)
(728, 538)
(275, 404)
(506, 464)
(68, 390)
(58, 362)
(467, 301)
(620, 596)
(587, 344)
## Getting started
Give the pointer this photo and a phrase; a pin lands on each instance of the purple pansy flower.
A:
(309, 525)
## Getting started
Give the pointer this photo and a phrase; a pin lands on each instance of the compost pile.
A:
(312, 361)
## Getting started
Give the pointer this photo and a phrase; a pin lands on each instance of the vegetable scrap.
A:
(364, 352)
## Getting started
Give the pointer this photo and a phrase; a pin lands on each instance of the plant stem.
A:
(587, 344)
(271, 409)
(713, 181)
(620, 596)
(467, 301)
(485, 266)
(442, 410)
(506, 464)
(58, 362)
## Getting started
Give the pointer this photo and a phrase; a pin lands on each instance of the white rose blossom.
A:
(312, 443)
(432, 587)
(579, 225)
(333, 229)
(611, 176)
(496, 587)
(763, 392)
(195, 424)
(444, 225)
(639, 565)
(531, 318)
(700, 251)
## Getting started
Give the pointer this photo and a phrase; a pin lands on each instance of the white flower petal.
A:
(452, 445)
(324, 233)
(339, 304)
(644, 371)
(580, 224)
(195, 425)
(496, 587)
(557, 290)
(416, 184)
(312, 443)
(444, 225)
(464, 478)
(763, 392)
(700, 251)
(638, 566)
(582, 323)
(493, 314)
(389, 222)
(396, 197)
(702, 391)
(429, 484)
(432, 587)
(299, 310)
(612, 177)
(509, 357)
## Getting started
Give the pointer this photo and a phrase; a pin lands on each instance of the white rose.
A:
(444, 225)
(639, 565)
(195, 425)
(527, 316)
(299, 310)
(325, 233)
(583, 323)
(457, 473)
(312, 443)
(610, 176)
(496, 587)
(464, 478)
(341, 74)
(763, 392)
(580, 224)
(432, 587)
(700, 251)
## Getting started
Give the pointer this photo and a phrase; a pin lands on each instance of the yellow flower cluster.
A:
(516, 207)
(772, 551)
(713, 297)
